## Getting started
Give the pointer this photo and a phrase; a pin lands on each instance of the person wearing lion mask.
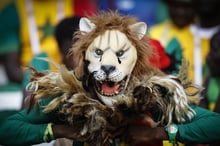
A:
(112, 86)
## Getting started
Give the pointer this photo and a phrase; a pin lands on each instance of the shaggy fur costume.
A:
(164, 96)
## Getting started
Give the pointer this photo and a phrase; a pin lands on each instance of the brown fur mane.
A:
(109, 21)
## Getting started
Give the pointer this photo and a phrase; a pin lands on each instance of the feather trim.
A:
(44, 85)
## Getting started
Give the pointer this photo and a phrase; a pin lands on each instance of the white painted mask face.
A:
(112, 58)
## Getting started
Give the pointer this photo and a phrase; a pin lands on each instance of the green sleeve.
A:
(25, 128)
(204, 128)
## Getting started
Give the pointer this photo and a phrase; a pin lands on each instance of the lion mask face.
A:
(111, 58)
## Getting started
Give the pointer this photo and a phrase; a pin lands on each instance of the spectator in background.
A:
(212, 83)
(38, 19)
(207, 24)
(174, 33)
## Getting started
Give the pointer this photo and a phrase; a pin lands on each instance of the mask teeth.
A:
(108, 94)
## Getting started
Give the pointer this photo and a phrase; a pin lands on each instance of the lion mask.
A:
(112, 51)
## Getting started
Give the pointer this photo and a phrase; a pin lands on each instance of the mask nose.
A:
(108, 68)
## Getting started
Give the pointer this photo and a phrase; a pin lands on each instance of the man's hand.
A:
(64, 131)
(143, 134)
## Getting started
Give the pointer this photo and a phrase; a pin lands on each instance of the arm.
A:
(17, 130)
(204, 128)
(29, 128)
(25, 129)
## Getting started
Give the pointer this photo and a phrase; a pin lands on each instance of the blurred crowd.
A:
(184, 29)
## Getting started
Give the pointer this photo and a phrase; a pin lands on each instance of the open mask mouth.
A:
(109, 88)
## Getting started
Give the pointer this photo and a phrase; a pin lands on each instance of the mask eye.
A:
(99, 52)
(120, 53)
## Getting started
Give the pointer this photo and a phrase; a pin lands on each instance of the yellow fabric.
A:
(44, 11)
(186, 39)
(167, 143)
(205, 49)
(212, 106)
